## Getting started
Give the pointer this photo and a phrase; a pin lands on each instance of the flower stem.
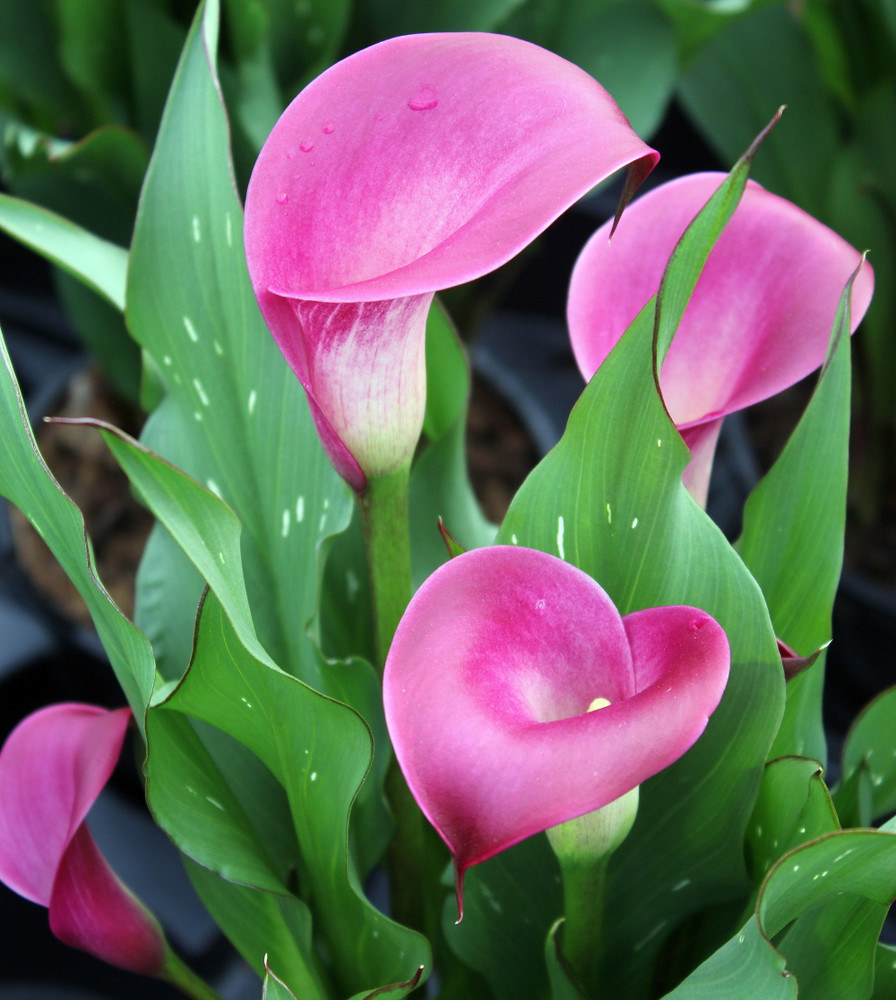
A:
(384, 508)
(584, 846)
(584, 888)
(183, 977)
(384, 511)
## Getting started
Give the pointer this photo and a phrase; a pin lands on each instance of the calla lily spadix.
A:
(488, 685)
(760, 317)
(417, 164)
(53, 767)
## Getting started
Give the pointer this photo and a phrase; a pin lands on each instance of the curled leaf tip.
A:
(753, 148)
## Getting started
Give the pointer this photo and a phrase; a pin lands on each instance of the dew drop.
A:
(425, 99)
(282, 199)
(306, 146)
(328, 128)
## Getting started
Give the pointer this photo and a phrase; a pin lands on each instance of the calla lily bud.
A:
(759, 319)
(489, 680)
(588, 839)
(53, 767)
(415, 165)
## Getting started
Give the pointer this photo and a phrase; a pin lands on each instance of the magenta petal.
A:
(760, 317)
(53, 767)
(415, 165)
(488, 683)
(91, 910)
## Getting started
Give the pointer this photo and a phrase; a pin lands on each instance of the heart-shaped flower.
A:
(760, 317)
(414, 165)
(53, 767)
(488, 685)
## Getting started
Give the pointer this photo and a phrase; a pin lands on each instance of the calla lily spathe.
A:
(417, 164)
(488, 685)
(53, 767)
(760, 317)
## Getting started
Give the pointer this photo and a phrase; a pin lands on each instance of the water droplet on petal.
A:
(306, 146)
(327, 128)
(425, 99)
(282, 199)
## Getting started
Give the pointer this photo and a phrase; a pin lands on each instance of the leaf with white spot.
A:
(233, 414)
(822, 907)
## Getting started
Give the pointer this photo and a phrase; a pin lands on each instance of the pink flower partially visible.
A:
(488, 685)
(53, 767)
(760, 317)
(412, 166)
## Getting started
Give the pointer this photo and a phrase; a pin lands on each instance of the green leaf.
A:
(274, 989)
(440, 485)
(153, 41)
(563, 986)
(234, 416)
(794, 807)
(305, 38)
(696, 22)
(385, 18)
(277, 46)
(759, 62)
(860, 206)
(793, 538)
(209, 534)
(885, 965)
(93, 183)
(194, 797)
(447, 374)
(92, 56)
(510, 903)
(27, 482)
(744, 967)
(837, 890)
(319, 750)
(609, 499)
(869, 761)
(30, 68)
(168, 590)
(264, 926)
(99, 264)
(823, 906)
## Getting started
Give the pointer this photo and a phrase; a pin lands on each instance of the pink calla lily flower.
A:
(760, 317)
(412, 166)
(488, 685)
(53, 767)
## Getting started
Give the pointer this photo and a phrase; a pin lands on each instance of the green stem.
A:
(183, 977)
(584, 890)
(384, 508)
(384, 512)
